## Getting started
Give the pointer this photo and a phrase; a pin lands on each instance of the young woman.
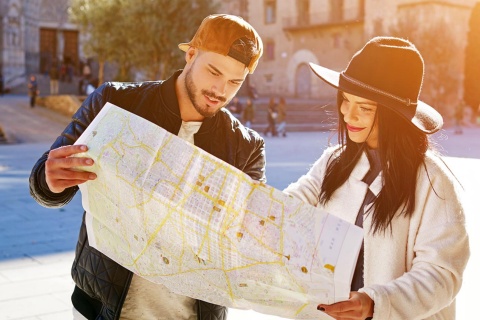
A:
(384, 177)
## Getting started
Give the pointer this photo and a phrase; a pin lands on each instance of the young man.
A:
(189, 104)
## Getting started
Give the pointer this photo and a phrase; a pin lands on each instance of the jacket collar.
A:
(361, 170)
(169, 94)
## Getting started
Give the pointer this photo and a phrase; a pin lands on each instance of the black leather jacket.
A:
(101, 283)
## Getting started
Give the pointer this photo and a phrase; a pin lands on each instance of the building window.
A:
(269, 50)
(336, 13)
(270, 11)
(303, 9)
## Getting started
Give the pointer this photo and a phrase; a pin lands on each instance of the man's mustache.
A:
(212, 95)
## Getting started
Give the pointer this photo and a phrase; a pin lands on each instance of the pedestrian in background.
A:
(282, 117)
(70, 71)
(385, 177)
(271, 118)
(54, 76)
(191, 104)
(86, 71)
(248, 113)
(235, 107)
(252, 92)
(63, 71)
(2, 84)
(91, 86)
(33, 91)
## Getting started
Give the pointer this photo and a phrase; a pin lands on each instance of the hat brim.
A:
(329, 76)
(184, 46)
(423, 117)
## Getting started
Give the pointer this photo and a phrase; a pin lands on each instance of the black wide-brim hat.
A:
(389, 71)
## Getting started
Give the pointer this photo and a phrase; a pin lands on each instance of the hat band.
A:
(239, 57)
(408, 102)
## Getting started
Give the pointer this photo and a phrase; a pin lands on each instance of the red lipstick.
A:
(353, 129)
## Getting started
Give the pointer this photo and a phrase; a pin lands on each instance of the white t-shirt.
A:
(148, 300)
(188, 129)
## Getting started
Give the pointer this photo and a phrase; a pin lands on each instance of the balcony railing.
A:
(326, 18)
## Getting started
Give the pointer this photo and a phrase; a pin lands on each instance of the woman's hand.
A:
(358, 307)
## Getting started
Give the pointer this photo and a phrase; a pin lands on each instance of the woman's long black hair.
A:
(402, 149)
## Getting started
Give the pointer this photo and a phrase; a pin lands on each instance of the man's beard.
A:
(192, 89)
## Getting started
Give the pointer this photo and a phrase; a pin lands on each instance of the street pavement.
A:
(36, 243)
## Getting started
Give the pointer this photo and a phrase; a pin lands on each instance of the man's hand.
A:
(358, 307)
(59, 168)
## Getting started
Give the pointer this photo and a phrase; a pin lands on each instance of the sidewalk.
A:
(36, 244)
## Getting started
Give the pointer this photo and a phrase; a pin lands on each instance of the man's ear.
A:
(190, 55)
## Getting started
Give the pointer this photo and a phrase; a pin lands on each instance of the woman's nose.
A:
(349, 113)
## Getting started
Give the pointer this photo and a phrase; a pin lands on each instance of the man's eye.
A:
(213, 73)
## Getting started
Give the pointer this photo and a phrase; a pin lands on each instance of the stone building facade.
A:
(59, 39)
(34, 34)
(17, 37)
(329, 32)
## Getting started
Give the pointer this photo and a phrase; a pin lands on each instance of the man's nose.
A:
(220, 87)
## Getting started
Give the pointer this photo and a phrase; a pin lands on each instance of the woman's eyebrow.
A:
(370, 103)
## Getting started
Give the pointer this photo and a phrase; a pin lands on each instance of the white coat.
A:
(416, 271)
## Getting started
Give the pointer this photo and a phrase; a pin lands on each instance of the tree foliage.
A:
(472, 61)
(140, 35)
(439, 47)
(89, 15)
(164, 24)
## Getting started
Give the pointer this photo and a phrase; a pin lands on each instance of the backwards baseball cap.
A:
(228, 35)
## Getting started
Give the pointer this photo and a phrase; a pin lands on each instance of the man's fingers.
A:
(60, 158)
(60, 167)
(71, 175)
(71, 183)
(59, 180)
(73, 162)
(66, 163)
(61, 185)
(67, 151)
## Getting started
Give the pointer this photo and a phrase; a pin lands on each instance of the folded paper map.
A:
(176, 215)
